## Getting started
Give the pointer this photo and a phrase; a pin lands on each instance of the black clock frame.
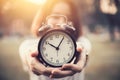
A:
(40, 58)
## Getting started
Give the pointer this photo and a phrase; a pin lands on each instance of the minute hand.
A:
(60, 42)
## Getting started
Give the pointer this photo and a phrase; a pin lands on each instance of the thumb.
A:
(72, 67)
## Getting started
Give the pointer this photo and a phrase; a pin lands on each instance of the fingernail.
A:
(34, 54)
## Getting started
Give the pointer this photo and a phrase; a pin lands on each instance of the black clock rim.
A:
(39, 51)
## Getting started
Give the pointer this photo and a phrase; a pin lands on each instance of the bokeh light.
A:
(37, 1)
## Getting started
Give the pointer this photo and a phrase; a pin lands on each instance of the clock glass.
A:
(56, 48)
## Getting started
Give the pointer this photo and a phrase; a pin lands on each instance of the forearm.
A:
(84, 44)
(84, 47)
(27, 47)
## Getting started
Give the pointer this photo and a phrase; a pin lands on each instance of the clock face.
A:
(56, 48)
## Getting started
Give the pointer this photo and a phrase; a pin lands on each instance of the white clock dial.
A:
(57, 48)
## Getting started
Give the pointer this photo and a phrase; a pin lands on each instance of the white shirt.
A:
(31, 45)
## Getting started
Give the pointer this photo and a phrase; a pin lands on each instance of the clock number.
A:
(64, 59)
(51, 38)
(68, 42)
(71, 47)
(44, 48)
(68, 54)
(57, 36)
(57, 61)
(46, 42)
(51, 58)
(46, 54)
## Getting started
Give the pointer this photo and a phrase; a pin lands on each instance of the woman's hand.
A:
(70, 69)
(36, 66)
(66, 70)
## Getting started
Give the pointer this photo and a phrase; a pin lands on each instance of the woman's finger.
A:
(73, 67)
(34, 54)
(57, 73)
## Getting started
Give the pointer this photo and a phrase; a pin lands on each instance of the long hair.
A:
(49, 5)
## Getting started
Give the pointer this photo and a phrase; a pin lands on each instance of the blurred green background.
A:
(15, 19)
(103, 64)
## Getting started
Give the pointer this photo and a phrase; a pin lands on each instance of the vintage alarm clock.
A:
(56, 47)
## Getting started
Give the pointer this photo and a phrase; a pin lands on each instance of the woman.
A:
(28, 49)
(111, 9)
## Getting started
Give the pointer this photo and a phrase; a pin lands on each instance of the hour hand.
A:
(52, 45)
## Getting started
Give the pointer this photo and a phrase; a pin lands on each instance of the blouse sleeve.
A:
(26, 47)
(85, 44)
